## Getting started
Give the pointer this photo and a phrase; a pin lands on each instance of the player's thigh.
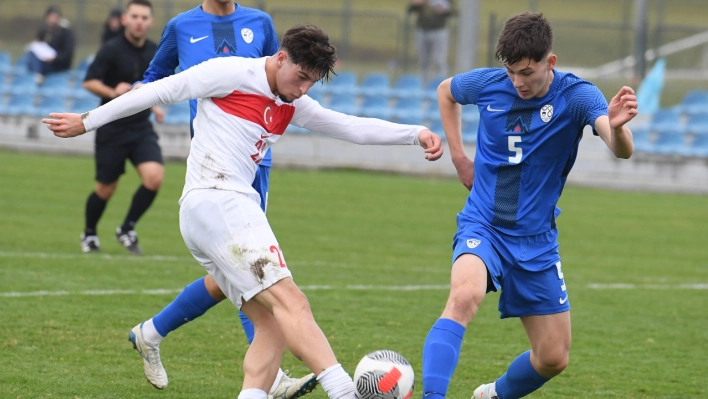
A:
(550, 337)
(110, 159)
(261, 183)
(230, 230)
(146, 156)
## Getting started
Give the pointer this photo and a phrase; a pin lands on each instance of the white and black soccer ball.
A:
(384, 374)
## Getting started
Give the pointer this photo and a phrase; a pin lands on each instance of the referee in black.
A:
(118, 63)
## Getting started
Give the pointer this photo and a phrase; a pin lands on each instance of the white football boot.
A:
(486, 391)
(152, 365)
(292, 388)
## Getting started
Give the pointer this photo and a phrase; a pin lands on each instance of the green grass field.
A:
(342, 229)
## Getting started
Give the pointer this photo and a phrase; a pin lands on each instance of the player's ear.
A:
(281, 57)
(552, 61)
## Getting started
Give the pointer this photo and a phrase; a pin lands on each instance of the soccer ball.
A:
(384, 374)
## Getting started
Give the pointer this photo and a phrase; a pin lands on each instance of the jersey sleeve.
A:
(216, 77)
(166, 57)
(465, 87)
(586, 103)
(311, 115)
(101, 65)
(271, 45)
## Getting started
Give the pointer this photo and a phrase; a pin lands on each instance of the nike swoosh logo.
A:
(562, 301)
(490, 109)
(193, 40)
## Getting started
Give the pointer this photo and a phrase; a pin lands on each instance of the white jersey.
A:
(239, 118)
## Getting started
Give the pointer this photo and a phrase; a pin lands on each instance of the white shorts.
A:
(228, 233)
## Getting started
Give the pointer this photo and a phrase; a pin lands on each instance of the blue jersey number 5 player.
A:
(217, 28)
(532, 120)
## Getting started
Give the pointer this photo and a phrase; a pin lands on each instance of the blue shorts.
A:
(527, 268)
(260, 184)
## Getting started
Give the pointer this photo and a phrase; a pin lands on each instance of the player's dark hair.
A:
(308, 46)
(145, 3)
(527, 35)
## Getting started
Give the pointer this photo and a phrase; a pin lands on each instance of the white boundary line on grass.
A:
(49, 255)
(432, 287)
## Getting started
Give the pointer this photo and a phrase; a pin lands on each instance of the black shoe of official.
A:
(129, 239)
(90, 243)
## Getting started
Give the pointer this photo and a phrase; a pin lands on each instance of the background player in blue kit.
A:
(217, 28)
(532, 120)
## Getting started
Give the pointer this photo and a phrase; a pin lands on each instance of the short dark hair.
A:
(527, 35)
(145, 3)
(308, 46)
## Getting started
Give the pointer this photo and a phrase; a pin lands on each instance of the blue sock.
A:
(440, 354)
(191, 303)
(520, 379)
(247, 327)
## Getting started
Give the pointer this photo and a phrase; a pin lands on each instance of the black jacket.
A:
(60, 39)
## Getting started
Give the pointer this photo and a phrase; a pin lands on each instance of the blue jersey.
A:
(525, 148)
(195, 36)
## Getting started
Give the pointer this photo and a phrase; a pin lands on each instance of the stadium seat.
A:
(84, 104)
(431, 88)
(317, 96)
(437, 128)
(469, 131)
(668, 143)
(3, 83)
(81, 69)
(376, 107)
(412, 120)
(699, 147)
(695, 102)
(56, 84)
(20, 66)
(408, 106)
(408, 86)
(47, 104)
(641, 136)
(667, 121)
(23, 84)
(297, 130)
(344, 103)
(20, 104)
(342, 83)
(5, 61)
(698, 123)
(374, 84)
(470, 113)
(178, 114)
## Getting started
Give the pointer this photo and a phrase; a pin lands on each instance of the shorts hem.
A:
(535, 313)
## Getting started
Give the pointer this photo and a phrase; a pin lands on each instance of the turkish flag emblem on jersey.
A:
(258, 109)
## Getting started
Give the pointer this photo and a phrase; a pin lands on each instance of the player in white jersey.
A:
(244, 107)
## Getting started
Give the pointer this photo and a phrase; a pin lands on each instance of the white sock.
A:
(252, 393)
(337, 383)
(277, 381)
(150, 334)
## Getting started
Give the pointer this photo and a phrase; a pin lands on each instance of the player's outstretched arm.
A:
(451, 116)
(65, 125)
(612, 127)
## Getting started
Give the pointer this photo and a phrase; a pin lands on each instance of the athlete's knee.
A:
(213, 289)
(553, 361)
(153, 181)
(105, 191)
(462, 306)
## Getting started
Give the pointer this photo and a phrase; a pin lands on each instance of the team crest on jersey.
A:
(473, 243)
(247, 35)
(547, 113)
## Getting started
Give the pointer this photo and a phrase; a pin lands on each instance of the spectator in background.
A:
(56, 33)
(113, 27)
(432, 36)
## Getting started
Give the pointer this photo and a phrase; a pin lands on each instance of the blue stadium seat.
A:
(48, 104)
(20, 66)
(641, 137)
(84, 104)
(695, 102)
(178, 114)
(3, 83)
(431, 88)
(5, 61)
(23, 84)
(374, 84)
(469, 131)
(699, 147)
(80, 72)
(317, 96)
(667, 121)
(376, 107)
(409, 106)
(698, 123)
(408, 86)
(20, 104)
(470, 113)
(55, 84)
(342, 83)
(297, 130)
(437, 128)
(344, 103)
(668, 143)
(411, 120)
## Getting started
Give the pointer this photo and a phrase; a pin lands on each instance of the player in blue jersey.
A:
(217, 28)
(532, 120)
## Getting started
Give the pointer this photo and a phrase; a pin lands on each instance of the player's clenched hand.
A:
(622, 107)
(432, 143)
(465, 171)
(65, 125)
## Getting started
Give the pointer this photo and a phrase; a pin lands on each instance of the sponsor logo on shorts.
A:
(473, 243)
